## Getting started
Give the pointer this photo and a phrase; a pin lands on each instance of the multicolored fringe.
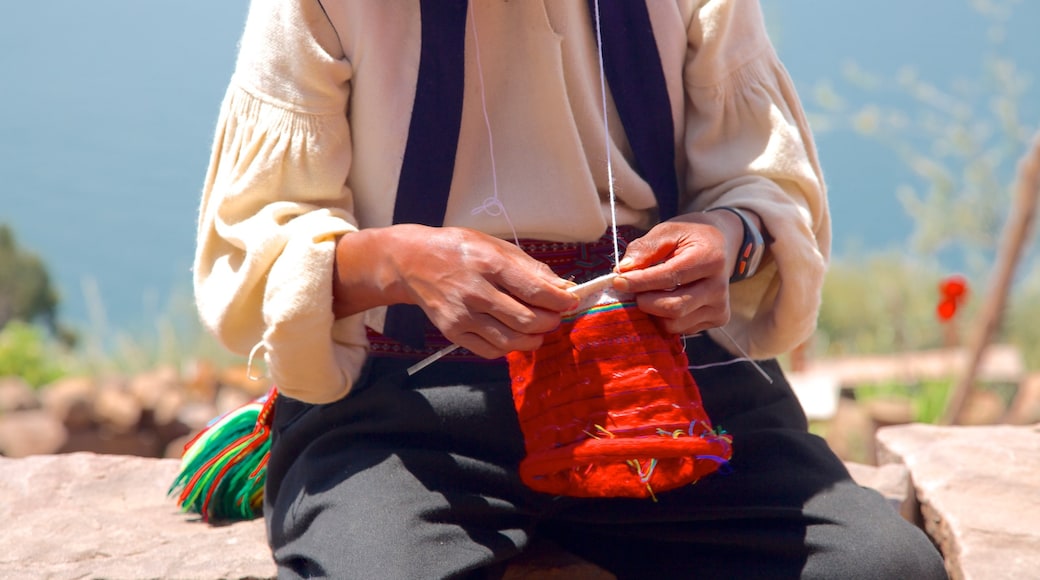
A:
(223, 468)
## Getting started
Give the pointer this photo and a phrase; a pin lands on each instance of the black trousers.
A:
(415, 477)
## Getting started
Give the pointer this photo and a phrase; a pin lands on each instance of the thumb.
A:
(640, 254)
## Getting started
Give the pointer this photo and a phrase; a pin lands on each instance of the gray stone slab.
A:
(84, 515)
(979, 490)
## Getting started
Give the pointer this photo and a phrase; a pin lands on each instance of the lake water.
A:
(108, 108)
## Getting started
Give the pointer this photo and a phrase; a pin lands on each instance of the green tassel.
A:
(224, 468)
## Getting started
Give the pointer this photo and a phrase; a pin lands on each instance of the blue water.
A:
(107, 109)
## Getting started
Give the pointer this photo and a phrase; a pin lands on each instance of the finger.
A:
(662, 277)
(491, 339)
(705, 300)
(689, 266)
(522, 318)
(702, 319)
(669, 305)
(536, 285)
(645, 251)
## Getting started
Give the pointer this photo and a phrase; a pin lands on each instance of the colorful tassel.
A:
(223, 468)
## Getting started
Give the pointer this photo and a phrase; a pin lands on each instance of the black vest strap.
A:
(433, 136)
(633, 71)
(635, 76)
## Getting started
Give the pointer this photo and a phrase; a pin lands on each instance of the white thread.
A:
(745, 355)
(493, 205)
(724, 363)
(253, 352)
(606, 135)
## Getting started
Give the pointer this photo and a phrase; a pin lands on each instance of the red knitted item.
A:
(608, 407)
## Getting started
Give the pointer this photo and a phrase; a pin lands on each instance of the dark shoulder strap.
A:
(635, 76)
(433, 136)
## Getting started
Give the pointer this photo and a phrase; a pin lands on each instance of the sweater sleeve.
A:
(274, 202)
(748, 145)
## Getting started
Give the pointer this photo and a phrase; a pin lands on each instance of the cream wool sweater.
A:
(312, 131)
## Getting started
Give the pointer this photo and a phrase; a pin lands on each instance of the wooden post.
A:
(1012, 245)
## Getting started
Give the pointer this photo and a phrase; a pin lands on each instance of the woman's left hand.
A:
(679, 271)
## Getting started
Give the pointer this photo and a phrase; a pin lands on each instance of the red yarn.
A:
(608, 408)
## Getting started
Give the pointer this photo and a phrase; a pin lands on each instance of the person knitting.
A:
(405, 206)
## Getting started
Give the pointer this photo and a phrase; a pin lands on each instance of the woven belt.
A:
(575, 261)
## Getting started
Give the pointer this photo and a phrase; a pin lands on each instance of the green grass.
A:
(928, 398)
(27, 351)
(174, 337)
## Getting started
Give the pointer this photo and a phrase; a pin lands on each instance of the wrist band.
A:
(751, 248)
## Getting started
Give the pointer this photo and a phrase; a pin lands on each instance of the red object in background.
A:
(953, 290)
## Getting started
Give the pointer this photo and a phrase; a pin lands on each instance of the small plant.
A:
(27, 352)
(928, 398)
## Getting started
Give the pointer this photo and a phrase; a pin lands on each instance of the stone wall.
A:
(149, 414)
(86, 462)
(975, 490)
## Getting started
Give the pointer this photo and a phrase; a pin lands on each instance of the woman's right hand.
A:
(483, 293)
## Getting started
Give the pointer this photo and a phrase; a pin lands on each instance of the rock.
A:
(979, 490)
(887, 411)
(165, 418)
(850, 433)
(231, 398)
(238, 376)
(200, 380)
(102, 516)
(167, 407)
(116, 409)
(139, 443)
(982, 408)
(196, 415)
(84, 515)
(33, 432)
(16, 395)
(1025, 408)
(175, 448)
(71, 400)
(149, 386)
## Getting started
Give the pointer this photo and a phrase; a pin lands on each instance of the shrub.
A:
(27, 352)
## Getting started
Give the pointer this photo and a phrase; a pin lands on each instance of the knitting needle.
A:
(582, 291)
(736, 345)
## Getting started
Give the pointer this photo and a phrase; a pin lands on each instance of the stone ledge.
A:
(84, 515)
(979, 490)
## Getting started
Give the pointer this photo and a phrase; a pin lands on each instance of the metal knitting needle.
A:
(582, 291)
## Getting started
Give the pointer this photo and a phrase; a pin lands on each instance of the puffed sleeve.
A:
(274, 202)
(748, 145)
